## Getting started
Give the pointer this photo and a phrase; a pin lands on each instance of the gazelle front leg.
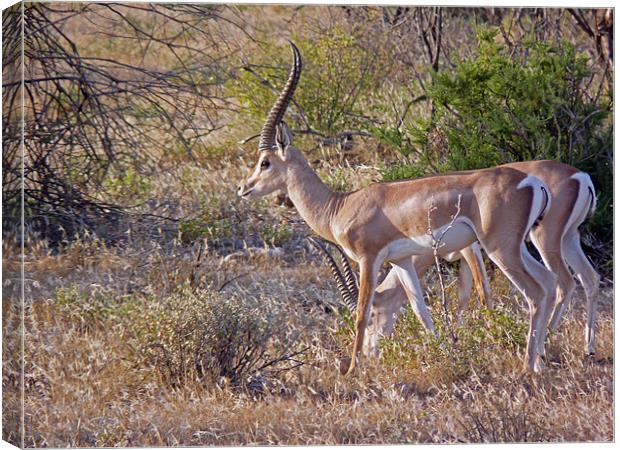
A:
(408, 277)
(472, 256)
(466, 281)
(368, 282)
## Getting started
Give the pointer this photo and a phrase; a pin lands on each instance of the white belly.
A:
(457, 237)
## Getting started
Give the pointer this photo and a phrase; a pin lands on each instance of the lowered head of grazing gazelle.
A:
(390, 296)
(390, 222)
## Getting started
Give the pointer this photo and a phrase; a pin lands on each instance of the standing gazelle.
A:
(556, 238)
(388, 222)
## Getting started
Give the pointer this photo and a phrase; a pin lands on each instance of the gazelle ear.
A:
(284, 138)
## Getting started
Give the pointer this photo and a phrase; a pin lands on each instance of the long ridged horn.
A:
(268, 133)
(349, 275)
(349, 301)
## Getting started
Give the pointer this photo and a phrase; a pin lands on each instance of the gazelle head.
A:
(269, 174)
(384, 310)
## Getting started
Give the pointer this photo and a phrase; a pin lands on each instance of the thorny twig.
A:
(227, 282)
(193, 282)
(436, 244)
(86, 118)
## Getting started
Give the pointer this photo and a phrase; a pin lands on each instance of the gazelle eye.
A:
(265, 164)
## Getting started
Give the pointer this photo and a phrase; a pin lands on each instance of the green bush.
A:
(483, 333)
(339, 77)
(401, 172)
(500, 107)
(535, 101)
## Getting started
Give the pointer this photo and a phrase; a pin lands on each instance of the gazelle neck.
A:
(315, 202)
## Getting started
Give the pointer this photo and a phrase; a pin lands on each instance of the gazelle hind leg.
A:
(588, 278)
(409, 279)
(550, 248)
(535, 288)
(549, 281)
(564, 293)
(472, 255)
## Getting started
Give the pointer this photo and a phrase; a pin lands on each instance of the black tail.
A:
(544, 210)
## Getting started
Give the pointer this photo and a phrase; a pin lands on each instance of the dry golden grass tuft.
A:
(88, 382)
(100, 320)
(97, 315)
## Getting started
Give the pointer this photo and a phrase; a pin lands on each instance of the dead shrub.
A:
(207, 336)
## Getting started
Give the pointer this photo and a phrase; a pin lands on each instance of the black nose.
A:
(241, 189)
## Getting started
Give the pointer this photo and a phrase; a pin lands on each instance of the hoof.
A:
(589, 358)
(539, 366)
(345, 365)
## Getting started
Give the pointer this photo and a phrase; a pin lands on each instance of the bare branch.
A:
(436, 244)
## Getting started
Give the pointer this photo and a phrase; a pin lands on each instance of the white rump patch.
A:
(538, 199)
(583, 196)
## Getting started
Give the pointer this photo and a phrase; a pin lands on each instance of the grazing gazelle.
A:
(390, 296)
(471, 274)
(556, 238)
(388, 222)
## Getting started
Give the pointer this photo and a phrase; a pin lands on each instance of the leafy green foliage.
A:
(346, 328)
(393, 137)
(339, 76)
(275, 235)
(207, 227)
(494, 327)
(498, 108)
(129, 185)
(534, 101)
(401, 171)
(214, 221)
(484, 332)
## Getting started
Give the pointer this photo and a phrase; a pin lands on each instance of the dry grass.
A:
(90, 380)
(86, 384)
